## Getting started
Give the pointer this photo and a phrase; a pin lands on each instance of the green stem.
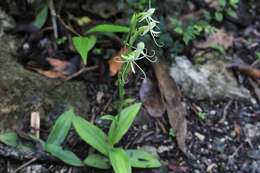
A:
(130, 39)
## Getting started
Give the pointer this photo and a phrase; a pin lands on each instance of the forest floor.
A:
(217, 78)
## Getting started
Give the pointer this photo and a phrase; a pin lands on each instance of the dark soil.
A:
(227, 140)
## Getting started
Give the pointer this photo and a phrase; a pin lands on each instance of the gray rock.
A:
(208, 81)
(6, 22)
(252, 131)
(23, 91)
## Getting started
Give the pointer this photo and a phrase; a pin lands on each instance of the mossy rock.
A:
(23, 91)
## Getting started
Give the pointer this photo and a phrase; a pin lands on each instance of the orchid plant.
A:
(141, 24)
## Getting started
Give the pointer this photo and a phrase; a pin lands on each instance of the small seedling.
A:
(121, 160)
(193, 30)
(257, 55)
(226, 7)
(201, 115)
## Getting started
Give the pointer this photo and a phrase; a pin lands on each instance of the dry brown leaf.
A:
(172, 99)
(220, 37)
(247, 70)
(51, 74)
(151, 98)
(115, 63)
(57, 64)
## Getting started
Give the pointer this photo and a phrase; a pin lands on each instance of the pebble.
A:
(213, 112)
(199, 136)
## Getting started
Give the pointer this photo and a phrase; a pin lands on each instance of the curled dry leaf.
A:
(172, 99)
(151, 98)
(60, 68)
(247, 70)
(115, 63)
(220, 37)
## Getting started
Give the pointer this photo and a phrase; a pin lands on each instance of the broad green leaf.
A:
(120, 127)
(64, 155)
(142, 159)
(108, 28)
(9, 138)
(41, 17)
(83, 45)
(97, 161)
(91, 134)
(61, 128)
(119, 161)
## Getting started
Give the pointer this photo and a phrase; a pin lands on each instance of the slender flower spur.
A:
(138, 53)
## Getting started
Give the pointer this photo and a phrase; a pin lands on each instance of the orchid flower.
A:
(148, 16)
(138, 53)
(151, 25)
(150, 28)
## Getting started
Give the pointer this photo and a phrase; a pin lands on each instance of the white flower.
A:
(150, 28)
(151, 25)
(139, 53)
(148, 16)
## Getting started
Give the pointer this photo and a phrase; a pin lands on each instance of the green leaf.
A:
(222, 3)
(91, 135)
(61, 128)
(218, 47)
(119, 161)
(142, 159)
(108, 28)
(125, 119)
(178, 30)
(41, 17)
(257, 54)
(108, 117)
(97, 161)
(64, 155)
(9, 138)
(83, 45)
(219, 16)
(201, 115)
(232, 13)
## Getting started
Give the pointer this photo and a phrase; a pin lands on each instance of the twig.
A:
(84, 69)
(225, 112)
(60, 6)
(256, 88)
(53, 19)
(25, 165)
(67, 26)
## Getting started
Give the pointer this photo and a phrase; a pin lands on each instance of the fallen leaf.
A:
(151, 98)
(172, 99)
(51, 74)
(57, 64)
(59, 68)
(246, 69)
(220, 37)
(115, 63)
